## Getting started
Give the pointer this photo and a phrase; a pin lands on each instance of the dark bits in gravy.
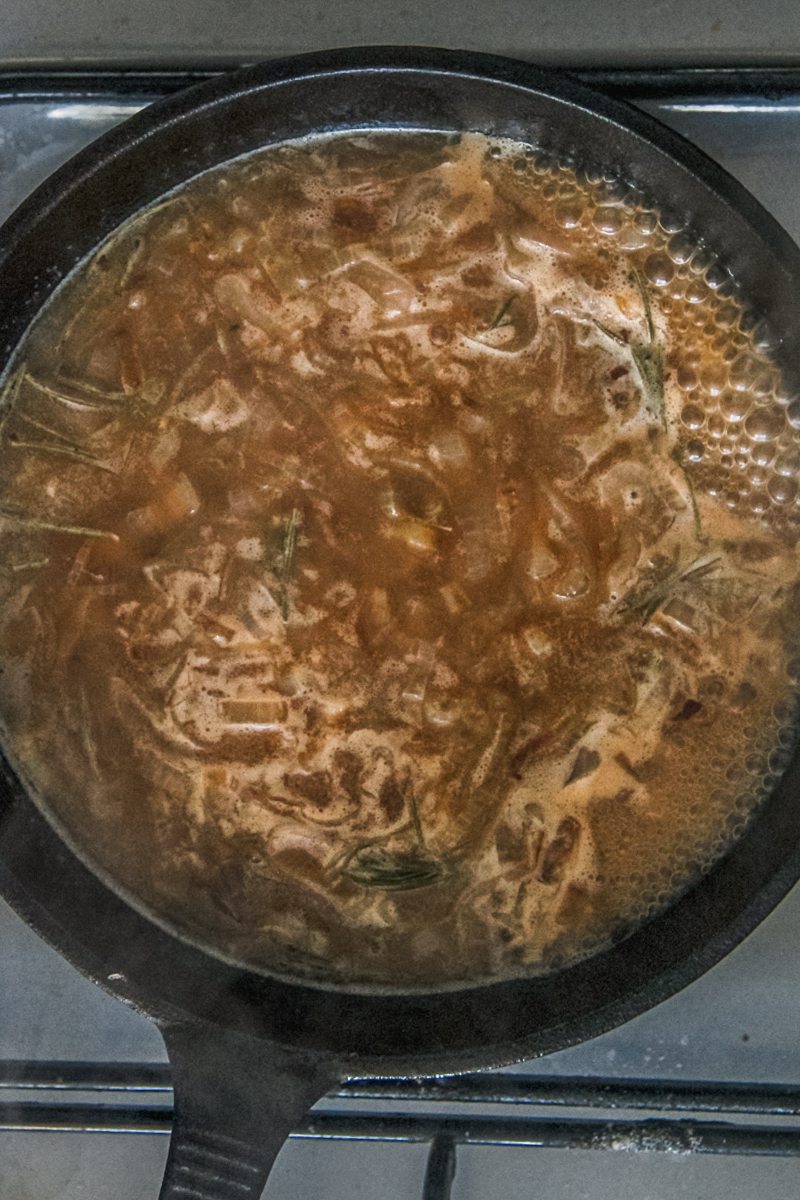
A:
(398, 561)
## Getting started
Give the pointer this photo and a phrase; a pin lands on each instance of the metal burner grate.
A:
(137, 1098)
(750, 120)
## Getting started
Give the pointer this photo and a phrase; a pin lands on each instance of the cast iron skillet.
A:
(250, 1053)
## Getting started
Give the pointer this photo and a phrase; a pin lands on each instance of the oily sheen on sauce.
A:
(399, 565)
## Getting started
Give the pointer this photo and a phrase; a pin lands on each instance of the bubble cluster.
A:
(422, 692)
(740, 434)
(736, 426)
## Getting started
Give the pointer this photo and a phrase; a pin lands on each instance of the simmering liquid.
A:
(399, 568)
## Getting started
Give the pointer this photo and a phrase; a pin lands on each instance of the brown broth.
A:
(399, 562)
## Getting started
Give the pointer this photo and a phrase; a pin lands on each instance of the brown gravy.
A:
(399, 564)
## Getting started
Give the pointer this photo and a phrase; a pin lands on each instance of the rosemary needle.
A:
(33, 565)
(109, 401)
(66, 450)
(502, 312)
(54, 527)
(285, 563)
(45, 429)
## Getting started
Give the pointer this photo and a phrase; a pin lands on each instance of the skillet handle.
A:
(237, 1099)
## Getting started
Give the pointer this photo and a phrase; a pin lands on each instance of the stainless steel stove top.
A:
(738, 1023)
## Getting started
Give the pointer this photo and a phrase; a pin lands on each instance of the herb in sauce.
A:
(285, 560)
(375, 867)
(368, 646)
(647, 355)
(498, 321)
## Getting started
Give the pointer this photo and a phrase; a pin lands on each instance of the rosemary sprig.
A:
(373, 866)
(289, 543)
(86, 727)
(645, 599)
(180, 385)
(370, 864)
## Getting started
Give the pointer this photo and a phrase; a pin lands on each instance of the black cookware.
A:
(251, 1053)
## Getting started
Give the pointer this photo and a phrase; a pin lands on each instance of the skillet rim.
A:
(63, 907)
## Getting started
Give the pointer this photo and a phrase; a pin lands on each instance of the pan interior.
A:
(422, 89)
(510, 792)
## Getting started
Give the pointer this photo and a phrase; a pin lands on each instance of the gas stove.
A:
(699, 1097)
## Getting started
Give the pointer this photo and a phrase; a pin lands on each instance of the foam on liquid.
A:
(432, 618)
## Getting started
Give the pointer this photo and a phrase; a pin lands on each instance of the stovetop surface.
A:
(738, 1023)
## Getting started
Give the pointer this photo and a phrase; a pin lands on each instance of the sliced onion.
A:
(454, 597)
(531, 239)
(541, 562)
(385, 286)
(257, 713)
(578, 578)
(420, 664)
(481, 537)
(449, 450)
(133, 712)
(217, 409)
(684, 615)
(536, 641)
(173, 505)
(421, 189)
(468, 208)
(374, 616)
(238, 298)
(320, 260)
(288, 837)
(167, 445)
(414, 535)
